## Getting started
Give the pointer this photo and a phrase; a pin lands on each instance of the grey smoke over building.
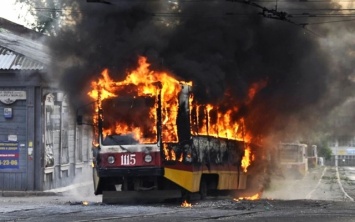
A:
(223, 47)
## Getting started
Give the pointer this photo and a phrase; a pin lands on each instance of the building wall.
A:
(66, 145)
(37, 137)
(342, 143)
(14, 175)
(51, 151)
(18, 169)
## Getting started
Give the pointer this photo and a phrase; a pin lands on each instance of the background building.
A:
(342, 143)
(41, 147)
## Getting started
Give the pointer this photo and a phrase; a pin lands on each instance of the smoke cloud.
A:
(223, 47)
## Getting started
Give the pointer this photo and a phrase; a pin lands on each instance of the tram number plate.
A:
(128, 159)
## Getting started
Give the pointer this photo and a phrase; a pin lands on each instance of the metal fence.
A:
(343, 160)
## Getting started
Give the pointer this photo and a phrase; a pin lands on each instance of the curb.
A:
(52, 192)
(27, 193)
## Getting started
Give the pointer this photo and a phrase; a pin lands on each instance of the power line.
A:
(276, 13)
(319, 9)
(337, 21)
(305, 1)
(309, 15)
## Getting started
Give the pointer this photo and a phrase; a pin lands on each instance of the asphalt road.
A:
(325, 194)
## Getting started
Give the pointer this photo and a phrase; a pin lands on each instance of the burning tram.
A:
(155, 141)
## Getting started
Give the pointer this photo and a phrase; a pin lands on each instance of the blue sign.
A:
(9, 155)
(8, 113)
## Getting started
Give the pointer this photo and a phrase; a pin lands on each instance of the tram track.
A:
(330, 173)
(309, 195)
(341, 186)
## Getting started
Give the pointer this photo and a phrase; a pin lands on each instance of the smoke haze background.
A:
(223, 47)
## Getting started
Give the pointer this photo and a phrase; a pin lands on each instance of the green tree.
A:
(324, 151)
(50, 15)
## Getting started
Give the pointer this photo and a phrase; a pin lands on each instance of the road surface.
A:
(324, 194)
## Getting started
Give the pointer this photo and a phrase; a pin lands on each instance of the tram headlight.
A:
(111, 159)
(148, 158)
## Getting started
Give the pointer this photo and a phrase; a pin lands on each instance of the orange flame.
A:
(246, 161)
(144, 82)
(186, 204)
(85, 203)
(253, 197)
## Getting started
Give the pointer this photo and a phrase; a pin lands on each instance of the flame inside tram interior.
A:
(153, 135)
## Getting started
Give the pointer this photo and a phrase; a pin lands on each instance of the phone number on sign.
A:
(8, 162)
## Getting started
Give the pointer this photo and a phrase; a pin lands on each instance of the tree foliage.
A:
(49, 14)
(324, 151)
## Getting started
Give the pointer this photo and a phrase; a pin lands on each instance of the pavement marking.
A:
(341, 186)
(319, 181)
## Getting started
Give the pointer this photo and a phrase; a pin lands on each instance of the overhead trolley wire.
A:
(326, 22)
(279, 14)
(290, 17)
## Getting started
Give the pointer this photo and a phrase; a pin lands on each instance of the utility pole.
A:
(336, 153)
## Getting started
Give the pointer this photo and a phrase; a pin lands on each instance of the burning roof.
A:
(208, 119)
